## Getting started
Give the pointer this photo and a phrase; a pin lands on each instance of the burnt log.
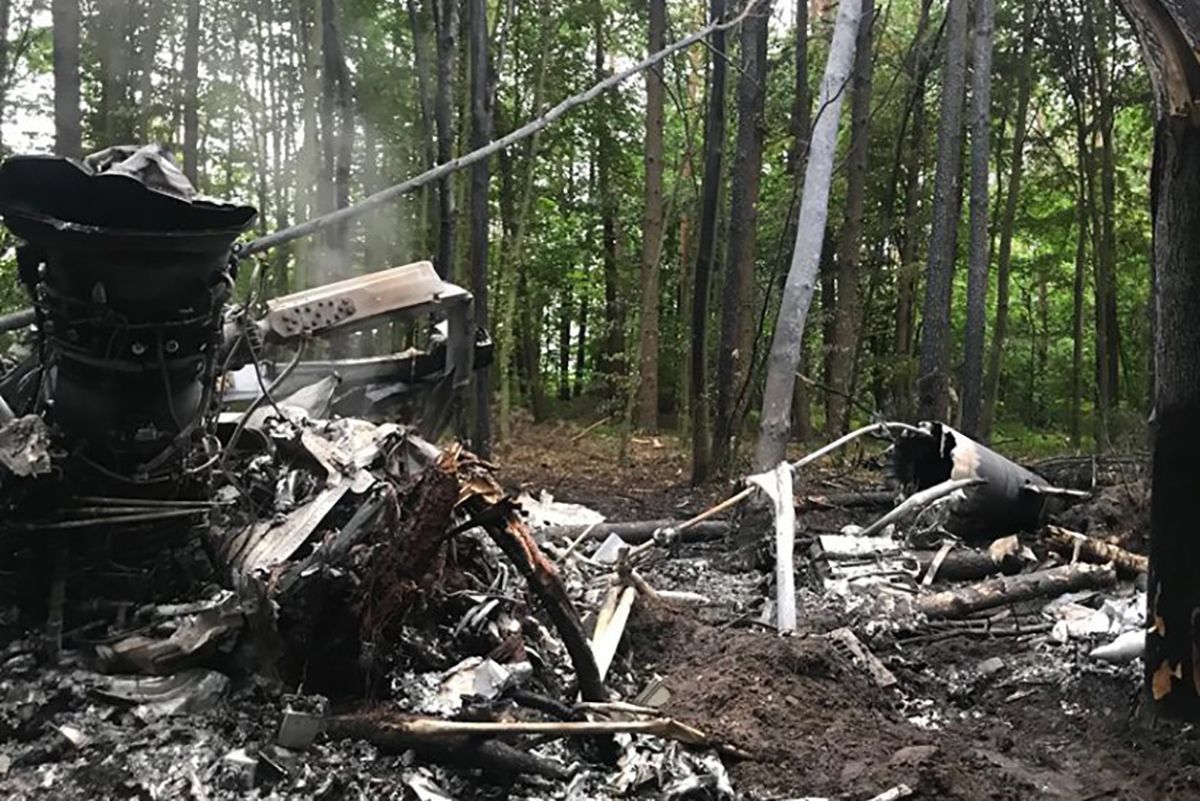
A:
(1096, 551)
(963, 601)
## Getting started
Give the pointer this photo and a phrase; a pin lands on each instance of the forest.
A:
(706, 399)
(630, 259)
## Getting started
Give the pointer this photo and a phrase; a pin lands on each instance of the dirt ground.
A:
(1048, 723)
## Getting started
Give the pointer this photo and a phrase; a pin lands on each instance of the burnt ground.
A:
(1048, 723)
(1039, 721)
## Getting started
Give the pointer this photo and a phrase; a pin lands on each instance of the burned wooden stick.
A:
(417, 730)
(1096, 551)
(1003, 590)
(463, 749)
(483, 499)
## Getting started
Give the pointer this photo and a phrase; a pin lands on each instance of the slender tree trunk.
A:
(564, 344)
(977, 276)
(1081, 237)
(68, 122)
(147, 51)
(801, 122)
(847, 310)
(581, 353)
(191, 93)
(1099, 47)
(612, 350)
(418, 22)
(737, 309)
(447, 35)
(652, 228)
(481, 134)
(714, 145)
(810, 234)
(933, 382)
(513, 269)
(1008, 221)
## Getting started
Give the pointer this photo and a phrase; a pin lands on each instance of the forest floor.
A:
(972, 716)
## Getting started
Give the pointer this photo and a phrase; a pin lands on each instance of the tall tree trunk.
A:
(191, 94)
(1099, 45)
(909, 269)
(1008, 221)
(481, 134)
(564, 343)
(581, 353)
(418, 22)
(977, 275)
(737, 310)
(810, 234)
(68, 122)
(147, 51)
(446, 14)
(933, 382)
(1170, 33)
(847, 311)
(1081, 238)
(714, 145)
(652, 228)
(801, 122)
(612, 344)
(335, 54)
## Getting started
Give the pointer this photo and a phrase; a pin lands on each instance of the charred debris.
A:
(206, 502)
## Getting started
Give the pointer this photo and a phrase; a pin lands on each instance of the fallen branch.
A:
(484, 501)
(1097, 551)
(960, 564)
(918, 501)
(414, 731)
(847, 500)
(999, 591)
(463, 749)
(385, 196)
(590, 428)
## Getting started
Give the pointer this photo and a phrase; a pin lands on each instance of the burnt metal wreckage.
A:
(191, 506)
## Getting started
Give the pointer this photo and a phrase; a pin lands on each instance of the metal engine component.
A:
(129, 272)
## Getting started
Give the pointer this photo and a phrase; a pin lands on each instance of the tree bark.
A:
(1170, 34)
(1081, 238)
(737, 310)
(933, 381)
(714, 145)
(68, 122)
(977, 275)
(564, 344)
(446, 21)
(810, 234)
(847, 313)
(1011, 199)
(652, 228)
(191, 94)
(481, 134)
